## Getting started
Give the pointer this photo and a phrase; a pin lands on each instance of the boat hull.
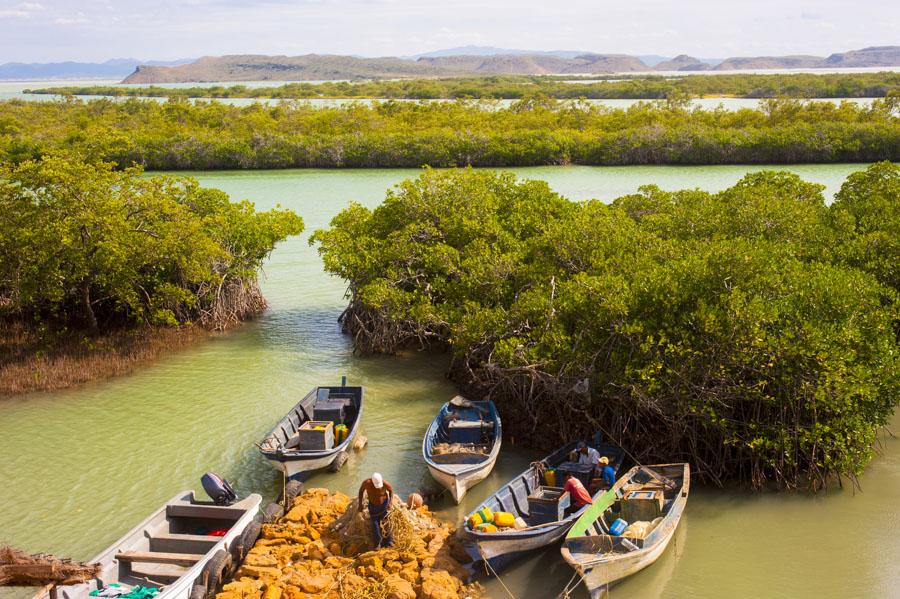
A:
(501, 552)
(459, 484)
(302, 466)
(599, 578)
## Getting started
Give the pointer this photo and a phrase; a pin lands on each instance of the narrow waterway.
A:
(81, 467)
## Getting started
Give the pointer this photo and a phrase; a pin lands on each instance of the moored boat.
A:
(602, 558)
(462, 444)
(316, 433)
(183, 550)
(501, 547)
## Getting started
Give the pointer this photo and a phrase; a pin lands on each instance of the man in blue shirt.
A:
(607, 472)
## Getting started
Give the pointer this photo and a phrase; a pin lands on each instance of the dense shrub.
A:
(179, 135)
(750, 331)
(87, 246)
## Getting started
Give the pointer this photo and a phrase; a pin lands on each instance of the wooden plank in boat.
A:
(155, 557)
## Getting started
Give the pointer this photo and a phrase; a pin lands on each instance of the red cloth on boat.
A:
(219, 532)
(580, 496)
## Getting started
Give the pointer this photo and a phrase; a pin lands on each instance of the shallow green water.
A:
(80, 467)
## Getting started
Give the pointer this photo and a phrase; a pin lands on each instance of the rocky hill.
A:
(318, 67)
(876, 56)
(683, 62)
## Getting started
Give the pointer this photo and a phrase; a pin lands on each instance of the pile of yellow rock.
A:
(321, 549)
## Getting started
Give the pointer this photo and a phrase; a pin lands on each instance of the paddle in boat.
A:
(316, 433)
(537, 503)
(629, 527)
(462, 444)
(183, 550)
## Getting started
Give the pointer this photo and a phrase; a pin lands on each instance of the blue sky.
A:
(95, 30)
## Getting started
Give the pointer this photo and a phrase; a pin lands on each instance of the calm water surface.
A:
(81, 467)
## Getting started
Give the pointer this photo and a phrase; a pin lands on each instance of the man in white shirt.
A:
(587, 455)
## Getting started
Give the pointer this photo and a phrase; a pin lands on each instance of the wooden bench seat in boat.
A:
(158, 557)
(185, 509)
(182, 543)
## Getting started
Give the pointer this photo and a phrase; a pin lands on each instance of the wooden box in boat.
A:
(602, 559)
(458, 472)
(170, 549)
(500, 548)
(281, 446)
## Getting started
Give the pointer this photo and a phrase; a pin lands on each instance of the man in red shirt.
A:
(580, 496)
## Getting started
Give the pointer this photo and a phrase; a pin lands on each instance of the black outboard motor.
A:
(219, 490)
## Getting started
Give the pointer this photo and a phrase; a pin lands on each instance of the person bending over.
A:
(578, 494)
(379, 494)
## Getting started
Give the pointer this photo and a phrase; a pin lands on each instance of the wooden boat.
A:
(462, 444)
(602, 559)
(500, 548)
(282, 446)
(173, 550)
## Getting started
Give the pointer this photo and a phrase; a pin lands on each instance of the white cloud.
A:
(21, 11)
(78, 19)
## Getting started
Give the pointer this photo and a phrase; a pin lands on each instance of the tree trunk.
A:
(89, 316)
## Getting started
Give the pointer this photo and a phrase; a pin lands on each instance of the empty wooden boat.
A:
(184, 550)
(462, 444)
(305, 440)
(653, 499)
(500, 548)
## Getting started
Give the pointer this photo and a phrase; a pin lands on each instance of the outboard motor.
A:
(219, 490)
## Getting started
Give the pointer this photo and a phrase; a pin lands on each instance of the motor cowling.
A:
(218, 489)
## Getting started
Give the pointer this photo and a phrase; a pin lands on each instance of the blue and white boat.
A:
(462, 444)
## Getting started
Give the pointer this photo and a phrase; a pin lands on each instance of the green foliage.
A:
(82, 243)
(535, 131)
(871, 201)
(640, 87)
(741, 330)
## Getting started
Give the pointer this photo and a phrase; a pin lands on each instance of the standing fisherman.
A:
(379, 494)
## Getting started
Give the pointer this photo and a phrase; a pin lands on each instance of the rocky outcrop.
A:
(321, 549)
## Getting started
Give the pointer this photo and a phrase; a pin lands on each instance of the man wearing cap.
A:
(607, 472)
(379, 494)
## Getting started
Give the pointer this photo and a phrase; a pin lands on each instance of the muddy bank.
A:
(36, 361)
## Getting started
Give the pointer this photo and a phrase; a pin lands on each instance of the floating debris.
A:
(18, 568)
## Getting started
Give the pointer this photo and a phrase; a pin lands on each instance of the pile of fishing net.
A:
(322, 549)
(453, 448)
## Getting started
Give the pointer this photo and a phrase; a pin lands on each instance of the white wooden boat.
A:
(500, 548)
(281, 446)
(601, 559)
(173, 551)
(463, 464)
